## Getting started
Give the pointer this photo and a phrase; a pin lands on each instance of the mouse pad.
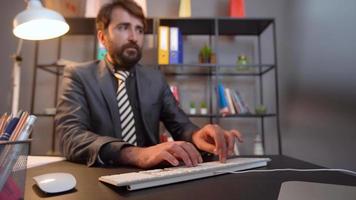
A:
(297, 190)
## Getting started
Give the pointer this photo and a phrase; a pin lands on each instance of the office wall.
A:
(8, 47)
(319, 112)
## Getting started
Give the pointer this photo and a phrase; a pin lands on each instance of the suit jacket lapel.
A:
(109, 93)
(143, 85)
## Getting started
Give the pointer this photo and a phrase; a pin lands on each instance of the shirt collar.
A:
(113, 69)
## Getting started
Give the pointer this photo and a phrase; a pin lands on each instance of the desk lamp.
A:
(34, 23)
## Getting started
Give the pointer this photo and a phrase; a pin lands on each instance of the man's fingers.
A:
(220, 143)
(178, 151)
(237, 134)
(206, 146)
(192, 152)
(230, 140)
(169, 158)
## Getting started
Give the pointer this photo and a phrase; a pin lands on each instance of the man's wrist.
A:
(109, 152)
(130, 155)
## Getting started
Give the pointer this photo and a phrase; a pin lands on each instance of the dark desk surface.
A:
(261, 185)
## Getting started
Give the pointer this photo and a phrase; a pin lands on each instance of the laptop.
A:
(300, 190)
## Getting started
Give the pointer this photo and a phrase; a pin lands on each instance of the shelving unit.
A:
(211, 29)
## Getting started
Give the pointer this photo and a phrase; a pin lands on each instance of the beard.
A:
(126, 56)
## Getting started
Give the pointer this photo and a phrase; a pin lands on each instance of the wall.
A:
(319, 109)
(9, 43)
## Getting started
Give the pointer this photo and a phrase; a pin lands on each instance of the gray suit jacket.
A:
(88, 117)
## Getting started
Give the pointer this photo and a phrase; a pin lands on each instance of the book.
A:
(229, 101)
(175, 92)
(222, 99)
(173, 45)
(242, 106)
(163, 45)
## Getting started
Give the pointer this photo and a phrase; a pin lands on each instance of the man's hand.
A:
(172, 152)
(214, 139)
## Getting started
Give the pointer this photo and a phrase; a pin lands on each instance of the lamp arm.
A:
(16, 76)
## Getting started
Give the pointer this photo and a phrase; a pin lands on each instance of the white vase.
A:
(203, 111)
(193, 111)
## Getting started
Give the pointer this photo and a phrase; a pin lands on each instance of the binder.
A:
(180, 47)
(237, 8)
(163, 45)
(174, 45)
(185, 8)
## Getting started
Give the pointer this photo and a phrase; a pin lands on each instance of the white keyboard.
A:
(157, 177)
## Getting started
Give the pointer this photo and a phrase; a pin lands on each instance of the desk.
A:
(261, 185)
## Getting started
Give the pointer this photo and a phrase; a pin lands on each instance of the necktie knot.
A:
(122, 75)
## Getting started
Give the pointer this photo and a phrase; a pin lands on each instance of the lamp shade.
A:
(39, 23)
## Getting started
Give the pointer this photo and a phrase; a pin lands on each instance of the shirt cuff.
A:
(109, 153)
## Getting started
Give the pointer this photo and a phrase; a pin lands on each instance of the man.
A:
(109, 110)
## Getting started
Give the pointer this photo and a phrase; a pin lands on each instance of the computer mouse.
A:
(55, 182)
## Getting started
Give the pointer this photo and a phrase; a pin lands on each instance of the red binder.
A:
(237, 8)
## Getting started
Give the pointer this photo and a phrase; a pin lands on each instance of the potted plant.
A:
(206, 55)
(203, 108)
(192, 108)
(261, 109)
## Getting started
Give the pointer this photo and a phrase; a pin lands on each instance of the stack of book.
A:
(175, 92)
(16, 127)
(170, 45)
(230, 101)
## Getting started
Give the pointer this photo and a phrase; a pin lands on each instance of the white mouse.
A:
(55, 182)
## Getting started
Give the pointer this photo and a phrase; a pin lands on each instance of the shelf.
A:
(213, 69)
(86, 26)
(52, 68)
(43, 115)
(191, 26)
(226, 25)
(234, 116)
(240, 26)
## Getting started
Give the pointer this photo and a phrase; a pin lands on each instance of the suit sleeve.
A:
(73, 124)
(173, 117)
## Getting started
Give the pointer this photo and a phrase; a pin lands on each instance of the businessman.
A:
(109, 111)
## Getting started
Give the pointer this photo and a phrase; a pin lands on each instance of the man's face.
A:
(123, 38)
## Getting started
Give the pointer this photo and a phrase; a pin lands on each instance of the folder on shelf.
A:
(180, 47)
(173, 45)
(237, 8)
(163, 45)
(185, 8)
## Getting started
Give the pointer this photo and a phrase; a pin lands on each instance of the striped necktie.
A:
(125, 109)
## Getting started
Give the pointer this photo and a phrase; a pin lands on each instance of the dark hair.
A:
(104, 16)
